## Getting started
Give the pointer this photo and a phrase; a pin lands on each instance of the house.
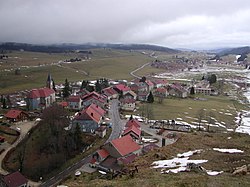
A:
(205, 91)
(101, 131)
(101, 155)
(161, 92)
(127, 104)
(146, 85)
(142, 96)
(127, 159)
(90, 118)
(15, 179)
(150, 85)
(158, 83)
(93, 97)
(133, 131)
(121, 88)
(133, 122)
(82, 92)
(110, 93)
(74, 102)
(130, 95)
(40, 98)
(15, 115)
(177, 91)
(123, 146)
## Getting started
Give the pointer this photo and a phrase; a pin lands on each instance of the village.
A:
(98, 106)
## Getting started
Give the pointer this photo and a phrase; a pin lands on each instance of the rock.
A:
(195, 167)
(240, 170)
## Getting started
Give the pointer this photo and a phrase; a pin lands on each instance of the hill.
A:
(58, 48)
(235, 51)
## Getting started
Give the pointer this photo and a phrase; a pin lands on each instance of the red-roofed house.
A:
(110, 93)
(127, 104)
(101, 131)
(101, 155)
(40, 98)
(123, 146)
(142, 96)
(121, 88)
(133, 131)
(75, 102)
(93, 97)
(16, 115)
(177, 90)
(90, 118)
(15, 179)
(160, 83)
(126, 160)
(161, 92)
(134, 122)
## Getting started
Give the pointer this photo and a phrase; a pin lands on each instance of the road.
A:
(117, 123)
(117, 127)
(133, 72)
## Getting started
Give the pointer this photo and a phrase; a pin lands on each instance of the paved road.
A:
(117, 127)
(117, 123)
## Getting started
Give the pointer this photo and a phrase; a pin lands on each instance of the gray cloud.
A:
(172, 23)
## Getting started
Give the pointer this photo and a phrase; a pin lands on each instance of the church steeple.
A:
(49, 83)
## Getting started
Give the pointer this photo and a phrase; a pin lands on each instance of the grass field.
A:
(217, 161)
(114, 64)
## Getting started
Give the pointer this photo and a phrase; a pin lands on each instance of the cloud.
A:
(173, 23)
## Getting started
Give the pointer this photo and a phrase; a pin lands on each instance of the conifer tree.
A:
(66, 89)
(150, 98)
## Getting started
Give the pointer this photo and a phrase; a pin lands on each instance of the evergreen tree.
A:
(192, 91)
(131, 117)
(212, 79)
(4, 103)
(150, 98)
(66, 89)
(84, 84)
(98, 87)
(78, 137)
(53, 84)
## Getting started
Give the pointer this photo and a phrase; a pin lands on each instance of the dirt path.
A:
(24, 129)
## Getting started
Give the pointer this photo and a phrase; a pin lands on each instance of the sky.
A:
(192, 24)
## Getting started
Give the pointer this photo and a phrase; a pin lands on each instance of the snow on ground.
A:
(213, 173)
(148, 140)
(228, 150)
(189, 153)
(179, 119)
(228, 114)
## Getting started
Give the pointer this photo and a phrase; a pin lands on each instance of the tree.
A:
(78, 137)
(4, 103)
(131, 117)
(143, 79)
(53, 84)
(212, 79)
(192, 91)
(98, 87)
(66, 89)
(150, 98)
(200, 116)
(84, 84)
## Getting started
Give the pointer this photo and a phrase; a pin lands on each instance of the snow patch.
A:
(228, 150)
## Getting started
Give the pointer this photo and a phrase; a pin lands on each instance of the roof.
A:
(122, 87)
(160, 81)
(98, 109)
(127, 159)
(41, 92)
(133, 122)
(75, 98)
(131, 93)
(103, 153)
(109, 91)
(88, 114)
(125, 145)
(13, 114)
(101, 128)
(149, 83)
(93, 95)
(63, 104)
(161, 90)
(15, 179)
(134, 129)
(127, 100)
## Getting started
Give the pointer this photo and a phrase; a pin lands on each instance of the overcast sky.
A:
(192, 24)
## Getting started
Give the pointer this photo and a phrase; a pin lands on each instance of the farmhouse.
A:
(16, 115)
(127, 104)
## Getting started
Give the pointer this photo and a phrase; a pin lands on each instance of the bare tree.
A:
(200, 116)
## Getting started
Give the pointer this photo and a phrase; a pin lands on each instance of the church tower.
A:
(49, 83)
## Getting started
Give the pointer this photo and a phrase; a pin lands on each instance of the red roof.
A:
(76, 98)
(42, 92)
(109, 91)
(15, 179)
(122, 87)
(127, 159)
(133, 122)
(149, 83)
(125, 145)
(89, 114)
(98, 109)
(103, 153)
(161, 90)
(134, 129)
(63, 104)
(160, 81)
(13, 114)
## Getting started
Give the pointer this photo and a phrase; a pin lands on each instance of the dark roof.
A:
(127, 159)
(111, 163)
(15, 179)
